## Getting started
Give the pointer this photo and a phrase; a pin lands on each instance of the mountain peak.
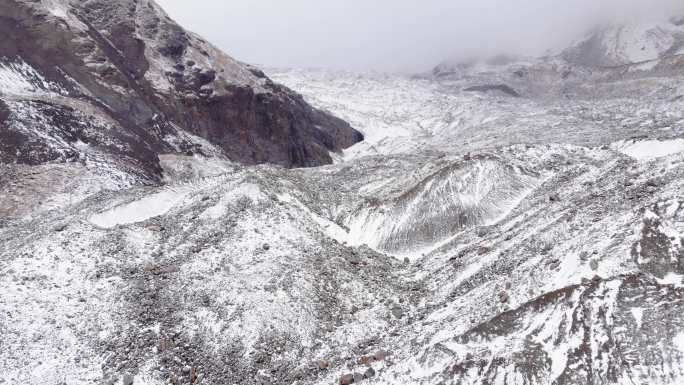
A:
(627, 44)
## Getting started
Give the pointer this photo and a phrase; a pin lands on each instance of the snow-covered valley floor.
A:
(471, 239)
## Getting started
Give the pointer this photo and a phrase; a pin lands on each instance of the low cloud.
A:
(398, 35)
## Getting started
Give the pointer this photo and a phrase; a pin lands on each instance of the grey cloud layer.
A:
(397, 35)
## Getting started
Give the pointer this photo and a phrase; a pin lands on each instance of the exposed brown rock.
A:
(128, 63)
(380, 355)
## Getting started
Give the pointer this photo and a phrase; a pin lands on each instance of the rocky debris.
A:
(594, 265)
(503, 88)
(323, 365)
(127, 379)
(155, 228)
(380, 355)
(59, 228)
(660, 250)
(554, 264)
(397, 312)
(503, 297)
(366, 360)
(482, 250)
(356, 377)
(545, 247)
(347, 379)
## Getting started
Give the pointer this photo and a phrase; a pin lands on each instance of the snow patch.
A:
(137, 211)
(60, 10)
(638, 314)
(676, 280)
(651, 149)
(19, 78)
(679, 342)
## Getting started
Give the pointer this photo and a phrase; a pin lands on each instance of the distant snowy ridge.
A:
(630, 44)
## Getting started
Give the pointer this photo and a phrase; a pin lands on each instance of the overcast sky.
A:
(396, 35)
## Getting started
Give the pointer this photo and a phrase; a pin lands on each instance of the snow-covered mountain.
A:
(606, 54)
(473, 237)
(636, 44)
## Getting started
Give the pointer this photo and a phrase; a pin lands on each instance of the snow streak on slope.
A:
(569, 234)
(463, 195)
(641, 42)
(638, 46)
(19, 78)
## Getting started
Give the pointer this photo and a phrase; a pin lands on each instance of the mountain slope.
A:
(146, 87)
(629, 44)
(608, 53)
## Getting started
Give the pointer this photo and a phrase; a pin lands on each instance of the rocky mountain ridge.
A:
(606, 54)
(145, 87)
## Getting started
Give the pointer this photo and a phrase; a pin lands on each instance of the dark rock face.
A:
(494, 87)
(656, 252)
(127, 63)
(594, 335)
(282, 131)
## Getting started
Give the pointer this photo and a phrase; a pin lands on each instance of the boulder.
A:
(366, 360)
(127, 379)
(503, 297)
(380, 355)
(594, 264)
(347, 379)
